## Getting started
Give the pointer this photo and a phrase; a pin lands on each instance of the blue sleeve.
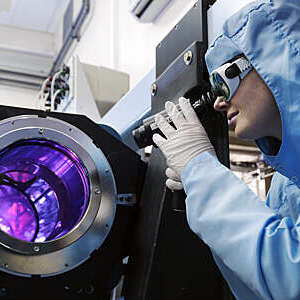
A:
(256, 250)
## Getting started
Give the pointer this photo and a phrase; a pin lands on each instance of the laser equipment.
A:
(67, 205)
(143, 134)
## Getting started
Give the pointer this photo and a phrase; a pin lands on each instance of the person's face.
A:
(252, 111)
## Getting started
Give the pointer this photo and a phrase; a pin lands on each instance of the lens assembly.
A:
(44, 190)
(57, 197)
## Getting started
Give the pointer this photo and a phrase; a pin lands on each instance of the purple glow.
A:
(44, 190)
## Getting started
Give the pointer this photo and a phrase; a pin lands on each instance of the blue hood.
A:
(268, 33)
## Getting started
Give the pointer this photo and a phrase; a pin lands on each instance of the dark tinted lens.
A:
(219, 86)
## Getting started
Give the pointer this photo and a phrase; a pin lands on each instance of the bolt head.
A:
(153, 89)
(36, 248)
(188, 57)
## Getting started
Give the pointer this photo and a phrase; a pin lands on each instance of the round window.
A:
(44, 190)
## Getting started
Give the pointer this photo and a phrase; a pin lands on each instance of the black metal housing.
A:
(169, 261)
(95, 278)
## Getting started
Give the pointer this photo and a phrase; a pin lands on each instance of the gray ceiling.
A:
(39, 15)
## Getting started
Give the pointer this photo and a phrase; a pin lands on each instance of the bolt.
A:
(41, 131)
(97, 192)
(188, 57)
(153, 89)
(89, 289)
(2, 291)
(36, 248)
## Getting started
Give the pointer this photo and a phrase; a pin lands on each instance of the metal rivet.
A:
(89, 289)
(188, 57)
(97, 191)
(3, 292)
(41, 131)
(153, 89)
(36, 248)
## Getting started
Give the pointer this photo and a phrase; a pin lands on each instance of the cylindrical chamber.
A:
(44, 190)
(57, 195)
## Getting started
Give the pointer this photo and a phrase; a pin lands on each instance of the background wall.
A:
(115, 39)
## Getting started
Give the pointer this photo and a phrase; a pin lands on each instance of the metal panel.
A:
(168, 260)
(191, 28)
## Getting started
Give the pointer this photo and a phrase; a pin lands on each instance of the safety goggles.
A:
(226, 79)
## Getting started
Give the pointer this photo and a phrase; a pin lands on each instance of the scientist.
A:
(255, 244)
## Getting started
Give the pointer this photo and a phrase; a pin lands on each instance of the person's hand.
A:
(188, 140)
(173, 182)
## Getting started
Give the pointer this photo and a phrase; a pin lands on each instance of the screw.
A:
(36, 248)
(89, 289)
(41, 131)
(153, 89)
(2, 291)
(188, 57)
(97, 191)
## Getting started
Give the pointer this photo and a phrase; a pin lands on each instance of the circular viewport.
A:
(44, 190)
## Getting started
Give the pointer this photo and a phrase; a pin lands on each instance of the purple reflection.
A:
(44, 190)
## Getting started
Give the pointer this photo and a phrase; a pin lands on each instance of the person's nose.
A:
(221, 105)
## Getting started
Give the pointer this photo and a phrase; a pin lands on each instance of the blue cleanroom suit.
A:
(256, 245)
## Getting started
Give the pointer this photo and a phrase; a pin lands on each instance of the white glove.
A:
(188, 140)
(173, 182)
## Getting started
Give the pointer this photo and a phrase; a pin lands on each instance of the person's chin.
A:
(243, 133)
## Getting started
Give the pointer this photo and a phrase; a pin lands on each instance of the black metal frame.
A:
(168, 260)
(95, 278)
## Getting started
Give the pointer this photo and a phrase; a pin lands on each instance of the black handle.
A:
(178, 200)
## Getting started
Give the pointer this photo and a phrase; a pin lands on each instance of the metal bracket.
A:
(126, 199)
